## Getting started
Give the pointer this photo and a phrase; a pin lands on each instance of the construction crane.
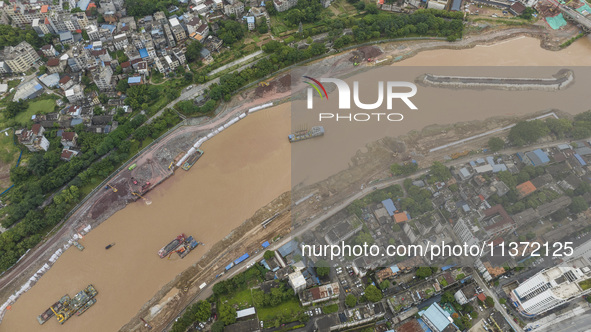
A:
(138, 195)
(110, 186)
(179, 250)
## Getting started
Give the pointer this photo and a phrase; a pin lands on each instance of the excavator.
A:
(262, 84)
(110, 186)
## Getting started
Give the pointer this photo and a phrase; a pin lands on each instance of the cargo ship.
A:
(66, 306)
(192, 159)
(301, 135)
(190, 244)
(167, 249)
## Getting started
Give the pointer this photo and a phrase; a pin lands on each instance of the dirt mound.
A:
(281, 84)
(370, 52)
(356, 56)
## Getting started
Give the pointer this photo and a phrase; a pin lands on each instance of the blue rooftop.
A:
(394, 268)
(288, 248)
(135, 79)
(265, 244)
(75, 122)
(437, 316)
(389, 206)
(580, 160)
(83, 4)
(143, 53)
(542, 155)
(109, 27)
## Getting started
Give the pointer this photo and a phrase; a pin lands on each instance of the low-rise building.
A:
(33, 139)
(69, 139)
(75, 93)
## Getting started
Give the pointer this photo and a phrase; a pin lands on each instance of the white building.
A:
(74, 93)
(464, 232)
(553, 287)
(297, 281)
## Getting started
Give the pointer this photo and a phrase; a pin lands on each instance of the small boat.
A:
(110, 245)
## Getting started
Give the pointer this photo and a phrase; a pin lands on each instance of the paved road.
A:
(498, 306)
(576, 324)
(206, 292)
(234, 63)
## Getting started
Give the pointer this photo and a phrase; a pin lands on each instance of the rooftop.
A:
(525, 188)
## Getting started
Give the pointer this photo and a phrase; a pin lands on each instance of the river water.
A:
(243, 168)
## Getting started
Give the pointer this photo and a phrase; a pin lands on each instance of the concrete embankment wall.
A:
(219, 130)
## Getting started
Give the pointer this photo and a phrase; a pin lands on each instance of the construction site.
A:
(159, 163)
(554, 12)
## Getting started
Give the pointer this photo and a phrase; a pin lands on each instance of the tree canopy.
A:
(373, 294)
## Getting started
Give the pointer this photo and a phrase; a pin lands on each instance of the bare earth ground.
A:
(153, 167)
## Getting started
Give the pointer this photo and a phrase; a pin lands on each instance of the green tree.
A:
(384, 284)
(424, 272)
(527, 13)
(269, 254)
(578, 205)
(203, 311)
(440, 172)
(323, 271)
(373, 294)
(502, 300)
(489, 301)
(496, 144)
(194, 51)
(474, 314)
(364, 237)
(351, 300)
(218, 326)
(227, 314)
(527, 132)
(142, 133)
(371, 8)
(447, 297)
(262, 29)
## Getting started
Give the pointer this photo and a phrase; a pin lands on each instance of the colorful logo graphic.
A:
(316, 87)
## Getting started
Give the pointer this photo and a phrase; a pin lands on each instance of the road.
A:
(498, 306)
(575, 324)
(206, 292)
(234, 63)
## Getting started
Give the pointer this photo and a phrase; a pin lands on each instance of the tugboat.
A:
(110, 245)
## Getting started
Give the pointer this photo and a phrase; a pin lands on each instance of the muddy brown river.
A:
(243, 168)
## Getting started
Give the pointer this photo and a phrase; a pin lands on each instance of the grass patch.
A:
(87, 188)
(586, 284)
(242, 299)
(460, 276)
(291, 308)
(443, 282)
(330, 309)
(36, 107)
(256, 39)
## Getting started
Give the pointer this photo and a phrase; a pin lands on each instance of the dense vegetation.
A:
(198, 312)
(527, 132)
(11, 36)
(140, 8)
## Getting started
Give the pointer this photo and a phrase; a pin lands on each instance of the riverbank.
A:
(183, 139)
